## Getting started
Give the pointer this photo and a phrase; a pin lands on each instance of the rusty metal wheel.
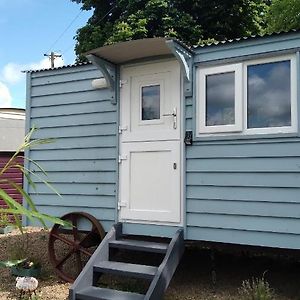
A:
(70, 249)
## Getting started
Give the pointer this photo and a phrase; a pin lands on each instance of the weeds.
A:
(256, 289)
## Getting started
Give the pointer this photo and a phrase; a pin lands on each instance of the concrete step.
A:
(125, 269)
(94, 293)
(136, 245)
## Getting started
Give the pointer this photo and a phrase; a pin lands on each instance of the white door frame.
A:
(181, 123)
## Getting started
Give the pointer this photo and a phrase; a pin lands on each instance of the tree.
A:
(191, 21)
(283, 15)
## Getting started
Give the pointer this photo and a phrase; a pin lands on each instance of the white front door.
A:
(150, 160)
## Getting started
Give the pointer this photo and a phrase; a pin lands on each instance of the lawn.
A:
(191, 281)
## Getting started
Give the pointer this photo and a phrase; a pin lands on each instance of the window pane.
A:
(151, 102)
(269, 95)
(220, 99)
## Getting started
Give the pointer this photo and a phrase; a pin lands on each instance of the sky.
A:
(28, 30)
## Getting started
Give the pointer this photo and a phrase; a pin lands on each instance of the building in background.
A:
(12, 131)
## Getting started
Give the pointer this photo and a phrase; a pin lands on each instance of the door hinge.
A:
(123, 128)
(122, 82)
(122, 157)
(121, 204)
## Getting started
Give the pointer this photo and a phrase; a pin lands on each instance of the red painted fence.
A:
(13, 174)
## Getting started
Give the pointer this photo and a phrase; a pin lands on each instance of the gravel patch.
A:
(50, 287)
(192, 280)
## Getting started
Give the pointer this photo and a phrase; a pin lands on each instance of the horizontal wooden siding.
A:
(240, 189)
(81, 162)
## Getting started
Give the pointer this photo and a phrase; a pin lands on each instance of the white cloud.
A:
(12, 72)
(11, 77)
(5, 96)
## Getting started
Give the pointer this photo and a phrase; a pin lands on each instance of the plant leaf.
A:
(11, 263)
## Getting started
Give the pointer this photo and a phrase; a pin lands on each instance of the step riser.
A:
(84, 287)
(123, 273)
(140, 249)
(94, 293)
(139, 245)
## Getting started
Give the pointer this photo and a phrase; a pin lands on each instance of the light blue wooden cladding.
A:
(243, 189)
(61, 88)
(69, 188)
(66, 77)
(74, 201)
(244, 208)
(244, 149)
(269, 194)
(243, 237)
(77, 153)
(100, 213)
(244, 179)
(81, 161)
(245, 165)
(80, 119)
(78, 177)
(86, 142)
(76, 131)
(70, 98)
(80, 108)
(69, 165)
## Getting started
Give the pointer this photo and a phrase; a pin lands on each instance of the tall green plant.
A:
(13, 207)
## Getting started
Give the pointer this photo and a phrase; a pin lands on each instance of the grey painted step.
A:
(126, 269)
(139, 245)
(94, 293)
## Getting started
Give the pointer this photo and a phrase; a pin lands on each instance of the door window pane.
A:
(220, 99)
(150, 102)
(269, 95)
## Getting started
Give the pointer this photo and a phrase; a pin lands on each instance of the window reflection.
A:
(269, 95)
(151, 102)
(220, 99)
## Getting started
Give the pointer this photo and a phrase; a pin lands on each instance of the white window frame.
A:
(241, 101)
(293, 69)
(152, 121)
(201, 99)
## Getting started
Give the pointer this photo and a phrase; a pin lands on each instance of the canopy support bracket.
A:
(184, 57)
(109, 73)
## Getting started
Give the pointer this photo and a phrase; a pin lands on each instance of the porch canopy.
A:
(108, 57)
(125, 52)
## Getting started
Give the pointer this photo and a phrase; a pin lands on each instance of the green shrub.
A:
(256, 289)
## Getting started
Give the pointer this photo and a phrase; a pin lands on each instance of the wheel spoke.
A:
(79, 262)
(62, 261)
(63, 239)
(85, 251)
(80, 244)
(87, 237)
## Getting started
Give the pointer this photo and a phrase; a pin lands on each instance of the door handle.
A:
(174, 115)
